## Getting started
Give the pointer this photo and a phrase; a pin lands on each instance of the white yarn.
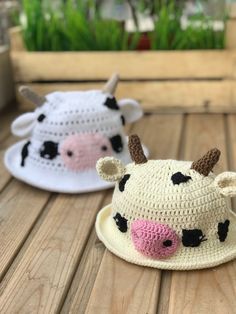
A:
(66, 114)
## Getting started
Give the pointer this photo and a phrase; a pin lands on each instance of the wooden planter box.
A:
(189, 81)
(6, 80)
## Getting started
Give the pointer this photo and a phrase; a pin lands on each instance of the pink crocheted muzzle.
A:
(81, 151)
(153, 239)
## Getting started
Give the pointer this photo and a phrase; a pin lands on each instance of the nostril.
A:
(104, 148)
(69, 153)
(167, 243)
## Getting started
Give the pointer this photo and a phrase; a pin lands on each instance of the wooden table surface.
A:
(52, 262)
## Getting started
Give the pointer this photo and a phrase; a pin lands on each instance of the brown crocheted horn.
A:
(136, 150)
(205, 164)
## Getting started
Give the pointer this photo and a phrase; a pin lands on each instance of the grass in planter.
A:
(169, 34)
(69, 28)
(67, 25)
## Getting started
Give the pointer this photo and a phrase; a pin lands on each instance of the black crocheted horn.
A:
(136, 150)
(205, 164)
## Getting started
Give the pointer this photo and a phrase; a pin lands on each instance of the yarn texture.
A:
(68, 132)
(177, 223)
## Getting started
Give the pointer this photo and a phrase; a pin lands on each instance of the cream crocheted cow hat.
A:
(65, 136)
(168, 214)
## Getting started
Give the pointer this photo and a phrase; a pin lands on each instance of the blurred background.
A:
(31, 29)
(85, 25)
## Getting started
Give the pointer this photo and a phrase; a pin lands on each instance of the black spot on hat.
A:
(192, 238)
(41, 117)
(116, 143)
(123, 182)
(121, 222)
(111, 103)
(178, 178)
(122, 119)
(49, 150)
(223, 228)
(24, 153)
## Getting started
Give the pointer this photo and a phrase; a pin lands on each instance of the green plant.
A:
(70, 27)
(76, 25)
(169, 34)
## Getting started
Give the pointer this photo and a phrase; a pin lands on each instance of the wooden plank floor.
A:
(52, 262)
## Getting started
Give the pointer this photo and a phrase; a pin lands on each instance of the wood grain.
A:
(5, 141)
(212, 290)
(80, 290)
(42, 277)
(64, 66)
(5, 121)
(121, 287)
(231, 126)
(16, 39)
(85, 276)
(20, 206)
(158, 96)
(231, 146)
(5, 176)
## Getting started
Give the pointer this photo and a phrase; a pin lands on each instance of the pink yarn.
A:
(81, 151)
(154, 239)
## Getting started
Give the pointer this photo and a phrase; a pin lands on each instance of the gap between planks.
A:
(51, 66)
(20, 205)
(164, 150)
(167, 96)
(43, 275)
(34, 235)
(211, 290)
(121, 287)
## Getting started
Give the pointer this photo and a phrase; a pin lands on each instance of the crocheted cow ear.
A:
(226, 183)
(131, 109)
(110, 169)
(24, 124)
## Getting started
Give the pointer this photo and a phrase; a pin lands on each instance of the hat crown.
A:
(151, 193)
(67, 113)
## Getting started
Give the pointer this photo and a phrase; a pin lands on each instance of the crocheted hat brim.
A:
(186, 258)
(50, 180)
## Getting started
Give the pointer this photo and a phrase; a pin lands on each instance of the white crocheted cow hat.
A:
(168, 214)
(65, 136)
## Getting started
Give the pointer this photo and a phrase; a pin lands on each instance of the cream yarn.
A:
(168, 198)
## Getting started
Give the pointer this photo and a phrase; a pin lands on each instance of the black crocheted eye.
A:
(121, 222)
(192, 238)
(122, 120)
(123, 182)
(49, 150)
(223, 228)
(116, 143)
(41, 117)
(178, 178)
